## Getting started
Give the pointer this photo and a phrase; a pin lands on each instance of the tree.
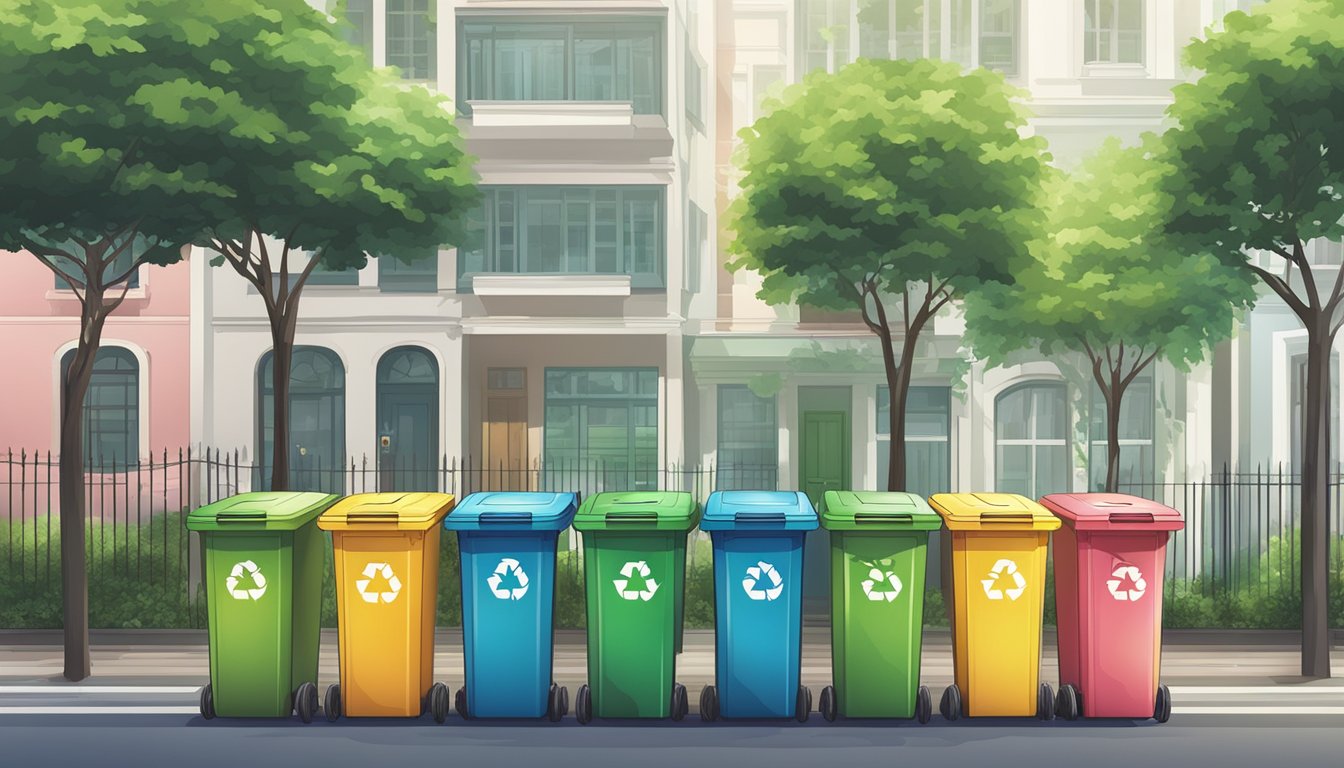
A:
(1105, 284)
(887, 181)
(1258, 156)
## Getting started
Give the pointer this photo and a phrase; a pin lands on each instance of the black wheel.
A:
(554, 706)
(305, 702)
(331, 703)
(709, 704)
(1162, 708)
(803, 708)
(681, 702)
(923, 705)
(1066, 702)
(439, 702)
(1045, 702)
(829, 707)
(950, 706)
(583, 705)
(208, 702)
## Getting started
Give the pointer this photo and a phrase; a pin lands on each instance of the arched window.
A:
(1031, 440)
(316, 420)
(111, 409)
(408, 420)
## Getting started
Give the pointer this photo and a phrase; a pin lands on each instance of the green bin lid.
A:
(638, 510)
(261, 511)
(877, 511)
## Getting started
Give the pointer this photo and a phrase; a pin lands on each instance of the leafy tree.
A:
(1104, 283)
(887, 182)
(1258, 156)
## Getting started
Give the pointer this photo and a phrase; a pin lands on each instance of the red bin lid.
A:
(1112, 511)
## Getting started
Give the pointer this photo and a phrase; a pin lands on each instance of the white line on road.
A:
(55, 690)
(1175, 710)
(99, 710)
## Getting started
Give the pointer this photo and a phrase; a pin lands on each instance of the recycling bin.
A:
(507, 543)
(263, 591)
(1110, 556)
(998, 543)
(879, 547)
(387, 583)
(634, 565)
(758, 604)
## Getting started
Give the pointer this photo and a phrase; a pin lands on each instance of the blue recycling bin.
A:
(507, 543)
(758, 604)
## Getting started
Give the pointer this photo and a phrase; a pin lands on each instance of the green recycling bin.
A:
(879, 543)
(634, 566)
(263, 593)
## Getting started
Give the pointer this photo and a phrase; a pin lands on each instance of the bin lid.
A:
(1112, 511)
(877, 511)
(396, 510)
(638, 510)
(992, 511)
(756, 510)
(261, 511)
(513, 510)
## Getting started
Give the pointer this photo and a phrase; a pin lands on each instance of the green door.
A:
(823, 452)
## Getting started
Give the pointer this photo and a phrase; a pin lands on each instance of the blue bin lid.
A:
(775, 510)
(513, 511)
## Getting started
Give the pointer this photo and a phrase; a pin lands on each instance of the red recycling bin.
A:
(1110, 554)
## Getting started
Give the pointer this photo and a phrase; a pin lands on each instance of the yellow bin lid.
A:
(992, 511)
(400, 511)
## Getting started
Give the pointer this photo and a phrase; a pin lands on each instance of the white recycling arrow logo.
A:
(1001, 568)
(505, 566)
(245, 569)
(1138, 586)
(882, 586)
(375, 569)
(628, 572)
(752, 583)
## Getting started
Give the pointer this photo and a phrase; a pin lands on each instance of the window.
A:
(1112, 31)
(1298, 371)
(1137, 416)
(601, 429)
(928, 445)
(748, 450)
(411, 39)
(567, 230)
(1030, 434)
(421, 275)
(695, 90)
(359, 24)
(110, 271)
(697, 245)
(316, 420)
(606, 60)
(111, 409)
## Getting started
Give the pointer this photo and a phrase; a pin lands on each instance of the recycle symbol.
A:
(753, 581)
(1137, 584)
(877, 578)
(240, 571)
(1001, 568)
(370, 571)
(628, 572)
(506, 566)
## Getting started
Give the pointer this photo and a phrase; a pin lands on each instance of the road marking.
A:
(1175, 710)
(1270, 689)
(100, 710)
(119, 689)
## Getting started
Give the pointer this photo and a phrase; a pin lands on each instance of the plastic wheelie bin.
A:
(634, 565)
(879, 546)
(1110, 556)
(507, 543)
(999, 543)
(758, 604)
(263, 590)
(387, 585)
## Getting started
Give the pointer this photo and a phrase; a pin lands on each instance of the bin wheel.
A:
(950, 706)
(1067, 703)
(439, 702)
(305, 702)
(331, 703)
(1162, 708)
(583, 705)
(208, 702)
(829, 707)
(923, 705)
(709, 704)
(803, 709)
(460, 702)
(555, 704)
(681, 702)
(1045, 702)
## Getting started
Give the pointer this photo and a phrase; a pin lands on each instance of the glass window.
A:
(421, 275)
(928, 445)
(1030, 433)
(316, 420)
(111, 409)
(411, 39)
(1137, 417)
(1113, 31)
(748, 448)
(911, 29)
(601, 429)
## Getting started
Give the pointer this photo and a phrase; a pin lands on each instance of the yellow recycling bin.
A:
(999, 543)
(387, 583)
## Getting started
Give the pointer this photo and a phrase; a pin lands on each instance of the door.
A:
(504, 431)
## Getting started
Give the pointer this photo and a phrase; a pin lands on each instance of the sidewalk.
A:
(180, 658)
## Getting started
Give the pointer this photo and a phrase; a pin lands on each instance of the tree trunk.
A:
(1315, 499)
(282, 348)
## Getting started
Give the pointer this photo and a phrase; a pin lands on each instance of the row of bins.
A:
(264, 564)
